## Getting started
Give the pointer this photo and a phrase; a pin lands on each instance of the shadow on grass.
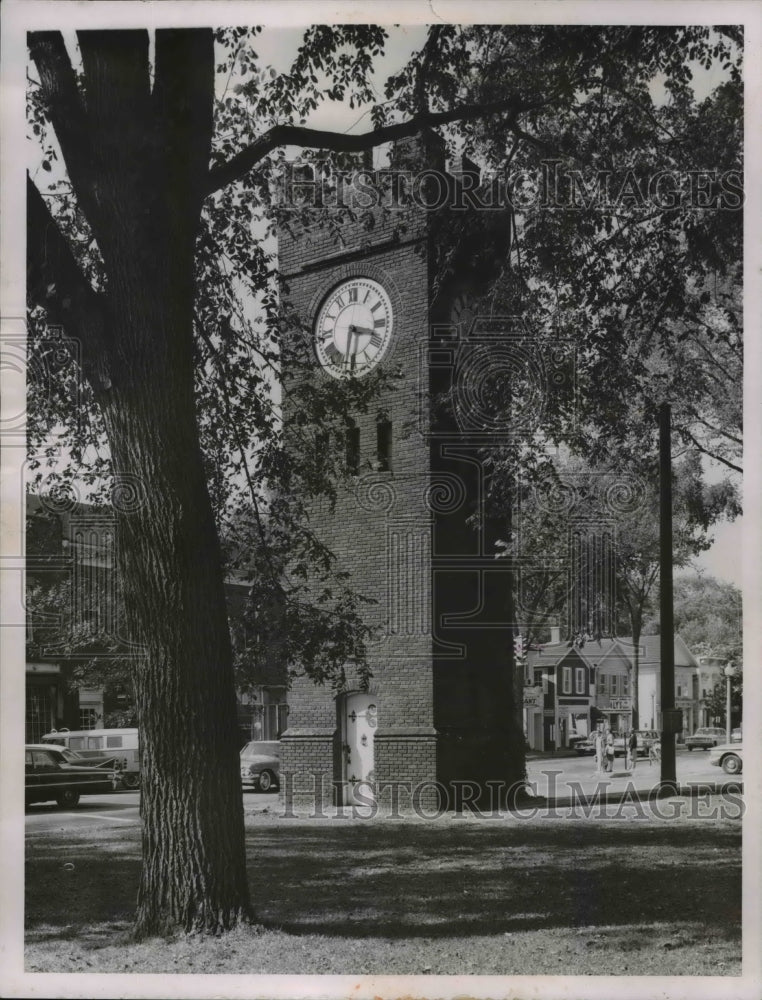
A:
(447, 879)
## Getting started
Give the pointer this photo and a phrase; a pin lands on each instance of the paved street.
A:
(550, 777)
(116, 809)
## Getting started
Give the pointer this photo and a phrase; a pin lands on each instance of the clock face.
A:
(353, 330)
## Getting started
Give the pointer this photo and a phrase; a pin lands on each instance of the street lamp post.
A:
(729, 671)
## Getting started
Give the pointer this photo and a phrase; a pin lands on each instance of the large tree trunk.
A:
(138, 159)
(193, 873)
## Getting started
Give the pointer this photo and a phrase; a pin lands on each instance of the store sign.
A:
(620, 704)
(533, 696)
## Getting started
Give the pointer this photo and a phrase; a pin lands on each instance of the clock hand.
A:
(361, 330)
(350, 356)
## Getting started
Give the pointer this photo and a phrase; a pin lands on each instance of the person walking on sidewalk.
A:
(599, 745)
(609, 752)
(632, 747)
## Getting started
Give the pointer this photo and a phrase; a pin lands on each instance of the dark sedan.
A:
(48, 780)
(79, 758)
(706, 737)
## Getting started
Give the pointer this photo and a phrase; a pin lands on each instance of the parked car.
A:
(260, 765)
(706, 737)
(124, 743)
(47, 779)
(585, 746)
(620, 744)
(575, 739)
(737, 736)
(78, 758)
(728, 756)
(646, 739)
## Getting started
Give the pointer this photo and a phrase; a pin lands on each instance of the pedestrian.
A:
(609, 752)
(633, 749)
(598, 744)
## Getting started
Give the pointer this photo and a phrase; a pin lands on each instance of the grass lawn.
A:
(393, 897)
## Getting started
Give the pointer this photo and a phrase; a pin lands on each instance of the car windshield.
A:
(270, 748)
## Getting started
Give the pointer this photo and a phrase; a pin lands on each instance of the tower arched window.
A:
(384, 445)
(352, 445)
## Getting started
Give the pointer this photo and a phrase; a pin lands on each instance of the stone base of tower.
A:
(406, 770)
(308, 765)
(404, 781)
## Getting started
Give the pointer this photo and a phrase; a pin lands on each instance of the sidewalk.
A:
(551, 781)
(554, 784)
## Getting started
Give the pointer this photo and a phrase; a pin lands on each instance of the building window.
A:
(566, 680)
(579, 680)
(625, 685)
(384, 445)
(603, 683)
(88, 718)
(352, 448)
(544, 677)
(614, 685)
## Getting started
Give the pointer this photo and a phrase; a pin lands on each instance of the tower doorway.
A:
(359, 721)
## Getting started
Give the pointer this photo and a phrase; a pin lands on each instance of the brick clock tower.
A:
(437, 721)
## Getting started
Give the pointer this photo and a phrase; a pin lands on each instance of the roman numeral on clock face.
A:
(353, 295)
(376, 339)
(333, 353)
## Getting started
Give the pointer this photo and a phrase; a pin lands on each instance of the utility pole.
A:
(667, 627)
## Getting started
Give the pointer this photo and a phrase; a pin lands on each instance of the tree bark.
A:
(144, 177)
(193, 873)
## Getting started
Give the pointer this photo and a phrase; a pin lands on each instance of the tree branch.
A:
(717, 431)
(705, 451)
(56, 283)
(67, 113)
(341, 142)
(421, 100)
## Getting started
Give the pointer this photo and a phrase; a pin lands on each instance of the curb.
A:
(537, 804)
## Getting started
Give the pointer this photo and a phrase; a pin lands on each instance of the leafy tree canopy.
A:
(708, 615)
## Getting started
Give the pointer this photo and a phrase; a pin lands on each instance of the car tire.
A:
(68, 798)
(731, 764)
(131, 780)
(266, 781)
